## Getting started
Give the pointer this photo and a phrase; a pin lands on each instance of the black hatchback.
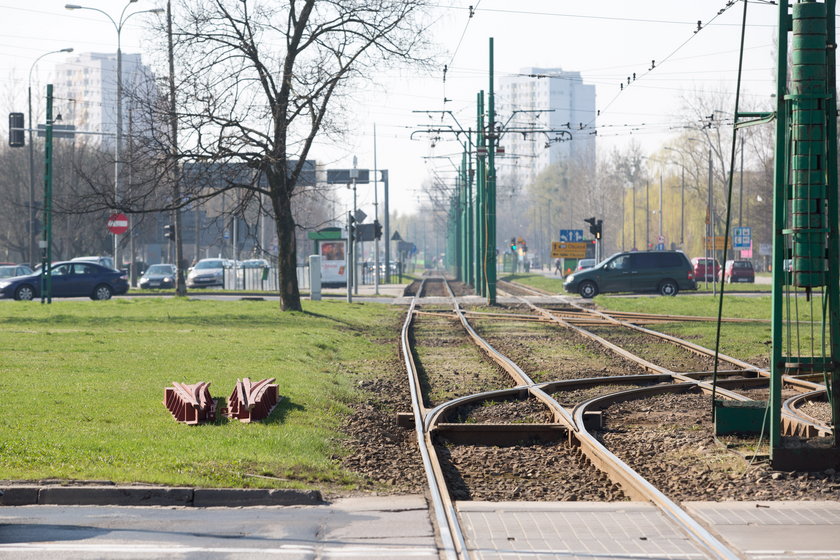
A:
(69, 279)
(665, 272)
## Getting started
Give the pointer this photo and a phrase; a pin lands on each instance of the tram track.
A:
(795, 422)
(434, 427)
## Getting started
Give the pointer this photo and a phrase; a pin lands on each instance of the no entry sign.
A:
(118, 224)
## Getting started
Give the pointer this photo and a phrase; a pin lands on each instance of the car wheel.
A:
(25, 293)
(588, 289)
(101, 292)
(668, 288)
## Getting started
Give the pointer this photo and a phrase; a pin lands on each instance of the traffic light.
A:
(524, 246)
(377, 229)
(513, 245)
(351, 227)
(595, 227)
(591, 221)
(169, 232)
(16, 136)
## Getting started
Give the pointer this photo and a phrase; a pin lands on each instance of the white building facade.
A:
(88, 86)
(563, 102)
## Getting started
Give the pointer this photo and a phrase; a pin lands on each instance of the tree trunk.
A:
(287, 259)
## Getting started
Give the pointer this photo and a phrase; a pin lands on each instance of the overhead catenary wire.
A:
(728, 207)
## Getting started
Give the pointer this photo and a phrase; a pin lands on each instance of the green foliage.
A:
(86, 381)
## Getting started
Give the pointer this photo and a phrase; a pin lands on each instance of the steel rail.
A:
(619, 472)
(809, 426)
(451, 535)
(673, 511)
(795, 419)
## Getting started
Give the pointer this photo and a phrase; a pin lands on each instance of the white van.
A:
(104, 261)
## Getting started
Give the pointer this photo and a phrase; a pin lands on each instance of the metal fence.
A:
(260, 279)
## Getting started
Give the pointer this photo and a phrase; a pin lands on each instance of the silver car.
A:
(208, 273)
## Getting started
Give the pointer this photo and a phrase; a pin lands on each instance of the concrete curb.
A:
(155, 496)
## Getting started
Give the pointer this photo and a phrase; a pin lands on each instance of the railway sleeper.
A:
(190, 404)
(500, 434)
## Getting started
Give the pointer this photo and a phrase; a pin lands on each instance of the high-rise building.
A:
(562, 101)
(88, 93)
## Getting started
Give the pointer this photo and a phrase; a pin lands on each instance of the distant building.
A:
(544, 89)
(88, 94)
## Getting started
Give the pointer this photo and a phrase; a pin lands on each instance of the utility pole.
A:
(46, 242)
(180, 280)
(491, 189)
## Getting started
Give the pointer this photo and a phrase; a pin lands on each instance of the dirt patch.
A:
(384, 456)
(533, 471)
(669, 440)
(450, 364)
(656, 350)
(505, 412)
(548, 352)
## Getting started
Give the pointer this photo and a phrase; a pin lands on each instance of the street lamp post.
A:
(32, 228)
(118, 25)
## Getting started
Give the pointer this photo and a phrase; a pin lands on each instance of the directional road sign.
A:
(742, 238)
(560, 250)
(571, 235)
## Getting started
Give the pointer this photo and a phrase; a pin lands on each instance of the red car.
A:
(737, 271)
(705, 269)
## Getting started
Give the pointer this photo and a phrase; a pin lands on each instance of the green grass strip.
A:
(83, 388)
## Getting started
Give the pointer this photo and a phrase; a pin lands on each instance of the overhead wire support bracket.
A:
(755, 118)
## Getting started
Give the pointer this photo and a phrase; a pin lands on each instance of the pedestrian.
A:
(558, 267)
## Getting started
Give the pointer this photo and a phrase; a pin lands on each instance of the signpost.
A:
(118, 223)
(571, 235)
(742, 238)
(561, 250)
(715, 243)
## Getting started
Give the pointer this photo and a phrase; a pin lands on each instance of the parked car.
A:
(254, 263)
(665, 272)
(69, 279)
(583, 264)
(107, 262)
(208, 273)
(12, 270)
(737, 271)
(158, 276)
(705, 269)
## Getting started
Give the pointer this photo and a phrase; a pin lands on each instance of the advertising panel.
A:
(333, 262)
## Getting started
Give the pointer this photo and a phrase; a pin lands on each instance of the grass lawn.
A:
(83, 388)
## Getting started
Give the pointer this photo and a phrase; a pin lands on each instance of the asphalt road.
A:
(392, 527)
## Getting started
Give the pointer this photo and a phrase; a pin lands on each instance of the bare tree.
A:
(262, 79)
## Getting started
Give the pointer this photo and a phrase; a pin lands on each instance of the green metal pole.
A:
(46, 273)
(480, 214)
(462, 219)
(491, 189)
(832, 291)
(779, 180)
(470, 215)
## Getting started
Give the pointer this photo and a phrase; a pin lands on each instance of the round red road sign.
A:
(118, 224)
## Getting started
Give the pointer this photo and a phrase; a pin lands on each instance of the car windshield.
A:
(160, 269)
(742, 264)
(209, 264)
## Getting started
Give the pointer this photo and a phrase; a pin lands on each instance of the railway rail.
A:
(574, 423)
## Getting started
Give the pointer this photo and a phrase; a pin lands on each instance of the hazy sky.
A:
(605, 40)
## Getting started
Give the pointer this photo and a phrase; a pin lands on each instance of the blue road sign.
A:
(571, 235)
(742, 238)
(660, 247)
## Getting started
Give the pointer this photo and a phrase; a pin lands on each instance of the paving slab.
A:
(775, 530)
(571, 530)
